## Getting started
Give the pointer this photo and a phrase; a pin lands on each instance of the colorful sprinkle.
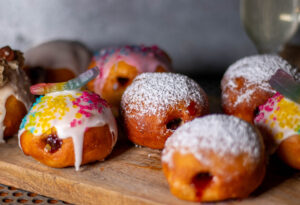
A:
(50, 107)
(281, 116)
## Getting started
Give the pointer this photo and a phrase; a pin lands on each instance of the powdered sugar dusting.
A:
(152, 93)
(257, 71)
(221, 134)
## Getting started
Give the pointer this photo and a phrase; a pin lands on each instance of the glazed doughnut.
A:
(245, 84)
(56, 61)
(119, 66)
(213, 158)
(15, 97)
(68, 128)
(279, 122)
(155, 104)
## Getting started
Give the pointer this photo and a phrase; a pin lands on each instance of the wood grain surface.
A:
(131, 175)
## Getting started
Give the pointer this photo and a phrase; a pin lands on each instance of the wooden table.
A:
(131, 175)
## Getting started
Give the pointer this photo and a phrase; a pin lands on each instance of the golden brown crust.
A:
(245, 110)
(226, 181)
(289, 151)
(152, 131)
(96, 146)
(122, 70)
(15, 111)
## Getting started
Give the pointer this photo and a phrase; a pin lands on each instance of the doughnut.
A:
(279, 122)
(68, 128)
(214, 158)
(15, 97)
(119, 66)
(156, 104)
(245, 84)
(56, 61)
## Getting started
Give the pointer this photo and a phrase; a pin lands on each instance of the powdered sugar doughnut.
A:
(279, 121)
(214, 158)
(68, 128)
(245, 84)
(155, 104)
(119, 66)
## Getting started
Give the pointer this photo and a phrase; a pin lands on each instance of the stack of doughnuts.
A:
(14, 91)
(156, 104)
(119, 66)
(68, 128)
(245, 84)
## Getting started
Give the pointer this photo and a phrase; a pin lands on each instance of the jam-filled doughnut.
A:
(56, 61)
(15, 98)
(245, 84)
(155, 104)
(68, 128)
(119, 66)
(279, 122)
(213, 158)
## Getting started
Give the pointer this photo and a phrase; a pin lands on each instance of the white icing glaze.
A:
(256, 70)
(220, 134)
(63, 119)
(154, 93)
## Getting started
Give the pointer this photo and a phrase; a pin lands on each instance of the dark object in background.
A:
(56, 61)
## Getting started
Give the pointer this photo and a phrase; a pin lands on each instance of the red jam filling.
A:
(53, 143)
(192, 108)
(200, 182)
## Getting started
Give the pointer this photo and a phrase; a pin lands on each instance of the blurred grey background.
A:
(201, 36)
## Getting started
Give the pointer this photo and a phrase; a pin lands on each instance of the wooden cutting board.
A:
(131, 175)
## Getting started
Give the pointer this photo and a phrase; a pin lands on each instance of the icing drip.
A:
(154, 93)
(220, 134)
(281, 116)
(71, 113)
(144, 59)
(256, 70)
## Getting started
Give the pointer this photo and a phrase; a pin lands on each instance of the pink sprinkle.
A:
(274, 118)
(259, 117)
(268, 108)
(87, 114)
(73, 123)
